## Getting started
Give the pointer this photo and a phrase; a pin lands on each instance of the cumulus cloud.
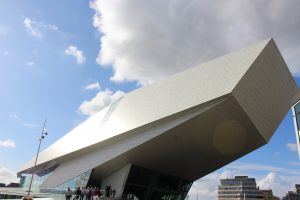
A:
(93, 86)
(35, 28)
(100, 101)
(7, 176)
(7, 144)
(292, 146)
(76, 53)
(278, 183)
(147, 40)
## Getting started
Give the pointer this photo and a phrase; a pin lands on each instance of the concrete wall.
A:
(117, 180)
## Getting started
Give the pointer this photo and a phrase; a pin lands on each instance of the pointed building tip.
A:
(270, 39)
(267, 41)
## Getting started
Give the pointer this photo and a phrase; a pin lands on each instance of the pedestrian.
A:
(82, 193)
(68, 194)
(78, 193)
(113, 193)
(88, 193)
(107, 190)
(96, 194)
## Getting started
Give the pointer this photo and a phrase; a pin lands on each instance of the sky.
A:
(65, 60)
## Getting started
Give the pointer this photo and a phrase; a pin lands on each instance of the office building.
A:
(239, 188)
(293, 195)
(268, 195)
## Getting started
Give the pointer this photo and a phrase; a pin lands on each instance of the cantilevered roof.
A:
(254, 78)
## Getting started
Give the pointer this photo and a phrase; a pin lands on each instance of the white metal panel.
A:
(72, 168)
(266, 90)
(179, 92)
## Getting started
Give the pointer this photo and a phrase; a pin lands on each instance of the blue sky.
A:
(65, 60)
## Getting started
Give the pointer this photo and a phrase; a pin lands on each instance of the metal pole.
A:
(37, 155)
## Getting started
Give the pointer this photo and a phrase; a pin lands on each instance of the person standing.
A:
(82, 193)
(78, 193)
(113, 193)
(68, 194)
(88, 193)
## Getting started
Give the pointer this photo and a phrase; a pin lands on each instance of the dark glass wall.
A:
(147, 184)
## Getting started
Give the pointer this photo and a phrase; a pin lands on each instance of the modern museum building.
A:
(155, 141)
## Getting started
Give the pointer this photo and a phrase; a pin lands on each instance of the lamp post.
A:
(43, 134)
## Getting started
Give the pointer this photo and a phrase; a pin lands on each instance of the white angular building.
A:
(155, 141)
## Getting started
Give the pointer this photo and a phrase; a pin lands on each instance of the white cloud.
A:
(13, 116)
(76, 53)
(7, 176)
(278, 183)
(258, 167)
(147, 40)
(205, 188)
(100, 101)
(7, 144)
(35, 28)
(35, 32)
(93, 86)
(4, 30)
(294, 163)
(292, 146)
(31, 63)
(250, 166)
(5, 53)
(31, 125)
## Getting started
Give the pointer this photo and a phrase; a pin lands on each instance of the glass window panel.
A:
(298, 121)
(297, 108)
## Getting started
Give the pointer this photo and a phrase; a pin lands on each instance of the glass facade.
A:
(296, 113)
(38, 179)
(147, 184)
(78, 181)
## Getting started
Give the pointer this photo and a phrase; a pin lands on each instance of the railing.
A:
(18, 193)
(40, 194)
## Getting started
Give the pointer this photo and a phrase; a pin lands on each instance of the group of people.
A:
(89, 193)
